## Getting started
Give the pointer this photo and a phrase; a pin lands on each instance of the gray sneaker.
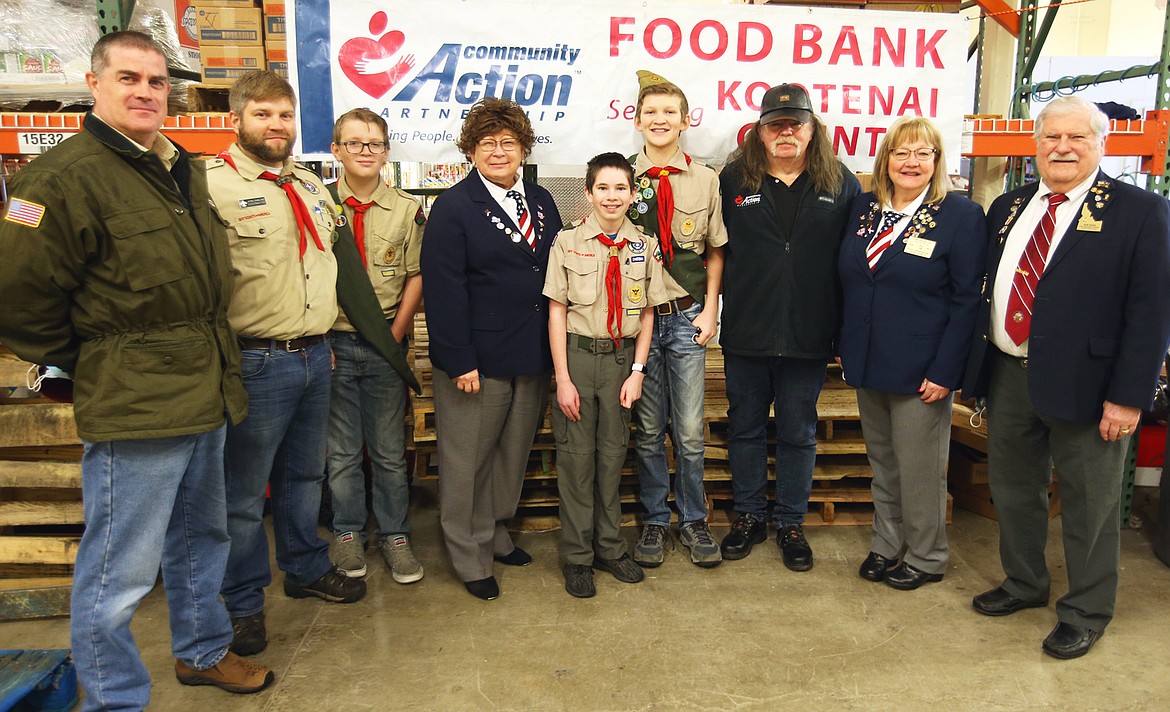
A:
(349, 554)
(399, 557)
(650, 551)
(704, 549)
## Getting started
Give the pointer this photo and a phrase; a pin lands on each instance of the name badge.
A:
(920, 247)
(1088, 223)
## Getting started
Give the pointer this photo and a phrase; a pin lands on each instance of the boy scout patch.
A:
(246, 203)
(390, 254)
(419, 218)
(25, 212)
(633, 312)
(635, 293)
(688, 227)
(637, 247)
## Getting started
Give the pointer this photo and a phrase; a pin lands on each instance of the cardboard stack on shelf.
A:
(230, 39)
(275, 47)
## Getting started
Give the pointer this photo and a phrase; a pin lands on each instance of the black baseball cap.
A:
(786, 101)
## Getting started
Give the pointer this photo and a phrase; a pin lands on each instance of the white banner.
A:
(421, 65)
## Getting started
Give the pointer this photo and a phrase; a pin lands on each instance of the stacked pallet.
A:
(841, 493)
(40, 498)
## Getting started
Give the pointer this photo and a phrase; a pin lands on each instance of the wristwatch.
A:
(638, 367)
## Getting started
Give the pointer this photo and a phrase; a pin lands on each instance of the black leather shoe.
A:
(1068, 641)
(875, 566)
(579, 580)
(517, 557)
(998, 602)
(905, 577)
(745, 533)
(797, 553)
(248, 635)
(486, 588)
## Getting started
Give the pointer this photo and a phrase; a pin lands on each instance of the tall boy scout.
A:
(603, 279)
(368, 402)
(678, 201)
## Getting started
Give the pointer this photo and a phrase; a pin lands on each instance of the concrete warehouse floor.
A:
(748, 635)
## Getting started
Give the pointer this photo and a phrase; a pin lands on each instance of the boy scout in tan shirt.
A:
(280, 223)
(677, 200)
(368, 401)
(603, 280)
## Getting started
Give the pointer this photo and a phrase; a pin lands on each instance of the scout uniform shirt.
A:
(277, 294)
(393, 241)
(697, 220)
(576, 277)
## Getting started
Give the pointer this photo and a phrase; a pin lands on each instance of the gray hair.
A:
(99, 58)
(1065, 105)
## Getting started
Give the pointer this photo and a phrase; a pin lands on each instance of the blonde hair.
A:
(907, 130)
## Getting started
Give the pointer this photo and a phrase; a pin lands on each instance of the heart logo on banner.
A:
(370, 64)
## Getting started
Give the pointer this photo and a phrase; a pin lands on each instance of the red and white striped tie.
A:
(523, 218)
(883, 239)
(1018, 322)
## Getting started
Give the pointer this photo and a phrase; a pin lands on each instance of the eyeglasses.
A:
(784, 125)
(355, 147)
(489, 145)
(922, 154)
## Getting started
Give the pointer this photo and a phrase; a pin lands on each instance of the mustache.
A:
(1058, 156)
(780, 141)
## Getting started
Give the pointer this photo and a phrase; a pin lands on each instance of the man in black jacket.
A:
(786, 199)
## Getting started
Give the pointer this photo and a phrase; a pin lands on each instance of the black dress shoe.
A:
(1068, 641)
(797, 554)
(905, 577)
(745, 533)
(516, 557)
(875, 566)
(485, 588)
(998, 602)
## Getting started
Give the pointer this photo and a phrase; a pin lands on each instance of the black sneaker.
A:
(579, 581)
(745, 533)
(623, 569)
(248, 635)
(797, 553)
(334, 587)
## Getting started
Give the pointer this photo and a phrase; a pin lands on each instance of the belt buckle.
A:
(288, 346)
(602, 346)
(665, 309)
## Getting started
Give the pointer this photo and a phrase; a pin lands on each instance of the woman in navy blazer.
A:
(484, 255)
(911, 267)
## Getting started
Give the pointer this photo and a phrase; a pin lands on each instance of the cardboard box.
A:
(279, 68)
(274, 27)
(221, 26)
(967, 465)
(223, 65)
(274, 7)
(276, 51)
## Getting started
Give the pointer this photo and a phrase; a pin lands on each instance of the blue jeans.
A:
(753, 384)
(368, 403)
(281, 443)
(673, 387)
(148, 502)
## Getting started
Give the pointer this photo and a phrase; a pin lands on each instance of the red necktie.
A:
(359, 224)
(613, 289)
(882, 240)
(1018, 322)
(523, 219)
(300, 211)
(666, 207)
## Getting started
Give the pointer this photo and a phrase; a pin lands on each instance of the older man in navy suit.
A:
(1074, 326)
(483, 265)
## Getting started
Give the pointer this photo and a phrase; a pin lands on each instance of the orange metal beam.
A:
(199, 133)
(1002, 13)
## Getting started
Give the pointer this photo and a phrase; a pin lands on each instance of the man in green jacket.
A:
(115, 270)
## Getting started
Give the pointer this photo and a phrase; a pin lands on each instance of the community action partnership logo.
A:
(376, 66)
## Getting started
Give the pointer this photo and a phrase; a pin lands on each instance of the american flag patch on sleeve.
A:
(24, 212)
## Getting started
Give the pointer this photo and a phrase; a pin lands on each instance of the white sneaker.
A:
(349, 554)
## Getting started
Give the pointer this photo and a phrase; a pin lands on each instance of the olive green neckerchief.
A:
(356, 296)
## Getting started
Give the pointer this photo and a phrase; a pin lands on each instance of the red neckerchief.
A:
(666, 207)
(359, 223)
(613, 288)
(300, 210)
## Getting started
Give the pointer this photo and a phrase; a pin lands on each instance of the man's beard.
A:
(254, 143)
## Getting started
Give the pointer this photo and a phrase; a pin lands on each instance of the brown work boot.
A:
(233, 674)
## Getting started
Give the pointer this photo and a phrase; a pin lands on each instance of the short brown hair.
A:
(363, 115)
(491, 115)
(608, 160)
(259, 85)
(907, 130)
(664, 89)
(99, 57)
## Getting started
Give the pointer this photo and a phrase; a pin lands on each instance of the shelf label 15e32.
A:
(39, 141)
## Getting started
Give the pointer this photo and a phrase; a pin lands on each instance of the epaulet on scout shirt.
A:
(215, 162)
